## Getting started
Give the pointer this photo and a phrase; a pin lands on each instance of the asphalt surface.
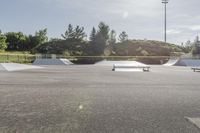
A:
(94, 99)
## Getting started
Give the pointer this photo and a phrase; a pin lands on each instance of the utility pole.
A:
(165, 21)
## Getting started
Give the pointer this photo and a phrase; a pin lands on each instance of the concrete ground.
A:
(93, 99)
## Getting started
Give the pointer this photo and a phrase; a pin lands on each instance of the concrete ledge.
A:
(130, 67)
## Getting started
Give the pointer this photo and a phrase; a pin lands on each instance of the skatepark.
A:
(93, 98)
(85, 66)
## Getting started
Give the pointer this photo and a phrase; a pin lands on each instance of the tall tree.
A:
(93, 34)
(75, 34)
(196, 46)
(123, 36)
(99, 44)
(41, 36)
(104, 30)
(33, 42)
(3, 44)
(99, 39)
(112, 38)
(79, 33)
(69, 33)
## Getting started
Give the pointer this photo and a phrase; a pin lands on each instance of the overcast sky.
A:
(141, 19)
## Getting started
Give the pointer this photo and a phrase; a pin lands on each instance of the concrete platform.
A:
(111, 63)
(93, 99)
(16, 67)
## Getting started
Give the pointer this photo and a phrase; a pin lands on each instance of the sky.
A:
(141, 19)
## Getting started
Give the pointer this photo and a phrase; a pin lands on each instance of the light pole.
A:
(165, 2)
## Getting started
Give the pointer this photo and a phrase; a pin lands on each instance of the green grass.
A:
(27, 58)
(17, 57)
(14, 52)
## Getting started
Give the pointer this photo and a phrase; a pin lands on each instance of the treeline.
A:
(17, 41)
(74, 41)
(99, 39)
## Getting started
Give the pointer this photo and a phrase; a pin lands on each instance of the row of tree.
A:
(74, 39)
(78, 33)
(17, 41)
(99, 38)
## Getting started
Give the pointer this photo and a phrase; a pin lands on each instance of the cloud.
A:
(125, 14)
(195, 28)
(173, 31)
(141, 19)
(128, 7)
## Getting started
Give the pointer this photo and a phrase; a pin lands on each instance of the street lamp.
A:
(165, 2)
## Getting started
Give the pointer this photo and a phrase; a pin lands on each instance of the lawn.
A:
(18, 57)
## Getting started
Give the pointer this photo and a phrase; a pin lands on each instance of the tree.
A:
(41, 36)
(99, 44)
(112, 38)
(33, 42)
(68, 33)
(99, 39)
(74, 34)
(16, 41)
(196, 47)
(123, 37)
(79, 33)
(187, 47)
(20, 42)
(93, 34)
(188, 43)
(3, 44)
(54, 39)
(104, 30)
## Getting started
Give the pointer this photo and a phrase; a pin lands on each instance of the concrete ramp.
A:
(175, 62)
(171, 62)
(111, 63)
(183, 62)
(192, 62)
(123, 66)
(2, 68)
(16, 67)
(52, 62)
